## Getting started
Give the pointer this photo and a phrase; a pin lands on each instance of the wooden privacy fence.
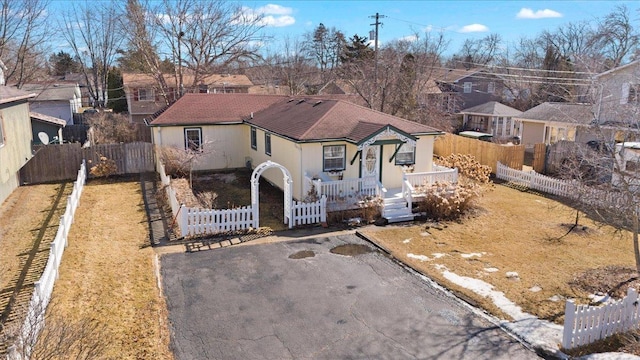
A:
(56, 162)
(486, 153)
(584, 324)
(44, 286)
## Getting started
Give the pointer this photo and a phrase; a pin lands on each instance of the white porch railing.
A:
(407, 193)
(345, 194)
(442, 174)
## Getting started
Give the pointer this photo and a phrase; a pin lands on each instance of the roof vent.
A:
(300, 101)
(317, 103)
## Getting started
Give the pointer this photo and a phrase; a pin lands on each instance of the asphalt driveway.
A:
(257, 302)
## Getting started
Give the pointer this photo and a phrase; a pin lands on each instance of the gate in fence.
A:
(194, 221)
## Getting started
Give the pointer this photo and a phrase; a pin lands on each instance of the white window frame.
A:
(329, 154)
(406, 155)
(148, 95)
(491, 87)
(467, 87)
(187, 145)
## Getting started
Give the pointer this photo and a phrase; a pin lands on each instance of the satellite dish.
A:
(44, 137)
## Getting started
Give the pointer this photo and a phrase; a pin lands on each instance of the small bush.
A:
(105, 168)
(467, 166)
(447, 201)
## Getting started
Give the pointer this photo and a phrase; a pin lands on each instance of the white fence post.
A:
(569, 324)
(184, 220)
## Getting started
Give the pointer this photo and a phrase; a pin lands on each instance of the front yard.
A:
(514, 241)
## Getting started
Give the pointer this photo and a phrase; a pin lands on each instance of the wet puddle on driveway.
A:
(351, 249)
(302, 254)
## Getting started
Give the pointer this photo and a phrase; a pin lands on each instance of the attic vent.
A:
(300, 101)
(317, 103)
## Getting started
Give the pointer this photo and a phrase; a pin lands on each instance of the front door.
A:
(371, 163)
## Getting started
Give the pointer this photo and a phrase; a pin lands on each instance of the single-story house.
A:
(46, 129)
(327, 140)
(492, 117)
(553, 121)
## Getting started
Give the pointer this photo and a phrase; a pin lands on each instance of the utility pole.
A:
(375, 45)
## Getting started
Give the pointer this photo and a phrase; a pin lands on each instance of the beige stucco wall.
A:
(532, 133)
(16, 150)
(232, 149)
(224, 146)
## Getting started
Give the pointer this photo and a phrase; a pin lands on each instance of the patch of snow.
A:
(555, 298)
(609, 356)
(535, 288)
(539, 333)
(491, 269)
(406, 241)
(418, 257)
(440, 267)
(599, 297)
(512, 275)
(438, 255)
(425, 234)
(466, 256)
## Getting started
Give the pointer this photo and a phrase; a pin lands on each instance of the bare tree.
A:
(206, 36)
(142, 41)
(94, 35)
(325, 45)
(479, 52)
(24, 33)
(615, 37)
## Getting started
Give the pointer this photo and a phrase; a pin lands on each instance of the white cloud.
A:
(526, 13)
(473, 28)
(428, 28)
(271, 15)
(409, 38)
(273, 9)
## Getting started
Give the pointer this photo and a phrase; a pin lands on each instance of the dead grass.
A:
(515, 231)
(20, 218)
(107, 274)
(228, 190)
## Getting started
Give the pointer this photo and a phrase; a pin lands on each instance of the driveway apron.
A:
(300, 300)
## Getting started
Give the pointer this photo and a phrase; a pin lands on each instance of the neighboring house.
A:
(627, 159)
(15, 137)
(46, 129)
(331, 140)
(56, 100)
(493, 118)
(617, 95)
(144, 98)
(459, 89)
(552, 121)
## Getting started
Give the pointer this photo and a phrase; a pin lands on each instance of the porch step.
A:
(400, 218)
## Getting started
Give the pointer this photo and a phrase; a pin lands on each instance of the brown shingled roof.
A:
(299, 118)
(203, 109)
(314, 119)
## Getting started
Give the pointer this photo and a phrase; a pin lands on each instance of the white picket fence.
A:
(309, 213)
(171, 193)
(43, 288)
(533, 180)
(195, 221)
(585, 324)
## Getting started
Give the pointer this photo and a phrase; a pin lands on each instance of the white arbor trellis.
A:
(255, 178)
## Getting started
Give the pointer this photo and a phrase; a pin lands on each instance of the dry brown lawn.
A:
(514, 231)
(107, 273)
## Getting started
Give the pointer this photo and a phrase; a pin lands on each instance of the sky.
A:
(458, 19)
